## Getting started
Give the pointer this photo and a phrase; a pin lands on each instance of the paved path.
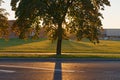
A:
(41, 69)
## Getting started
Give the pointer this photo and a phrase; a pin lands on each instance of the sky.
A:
(111, 14)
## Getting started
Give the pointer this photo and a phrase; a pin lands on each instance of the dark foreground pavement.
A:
(59, 69)
(58, 59)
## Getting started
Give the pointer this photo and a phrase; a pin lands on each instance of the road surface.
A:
(59, 70)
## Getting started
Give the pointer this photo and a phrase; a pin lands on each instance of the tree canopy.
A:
(3, 22)
(82, 17)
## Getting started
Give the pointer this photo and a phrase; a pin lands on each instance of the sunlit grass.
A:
(87, 47)
(68, 46)
(81, 55)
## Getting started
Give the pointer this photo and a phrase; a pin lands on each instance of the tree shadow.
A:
(16, 42)
(57, 71)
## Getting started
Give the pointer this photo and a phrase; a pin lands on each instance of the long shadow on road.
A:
(58, 71)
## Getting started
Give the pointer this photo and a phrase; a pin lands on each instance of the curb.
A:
(56, 59)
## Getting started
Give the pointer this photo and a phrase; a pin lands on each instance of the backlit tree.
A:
(82, 17)
(3, 22)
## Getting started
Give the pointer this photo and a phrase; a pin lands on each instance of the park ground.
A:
(70, 49)
(80, 60)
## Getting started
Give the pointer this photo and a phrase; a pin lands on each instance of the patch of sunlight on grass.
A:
(44, 45)
(32, 45)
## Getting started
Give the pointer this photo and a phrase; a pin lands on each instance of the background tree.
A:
(81, 17)
(3, 22)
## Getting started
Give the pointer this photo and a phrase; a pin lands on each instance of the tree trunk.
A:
(22, 35)
(59, 40)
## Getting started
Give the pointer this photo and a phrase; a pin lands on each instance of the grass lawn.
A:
(68, 46)
(81, 55)
(84, 49)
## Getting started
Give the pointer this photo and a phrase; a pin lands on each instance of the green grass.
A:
(84, 49)
(82, 55)
(46, 46)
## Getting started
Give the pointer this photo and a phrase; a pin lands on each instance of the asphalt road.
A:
(59, 70)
